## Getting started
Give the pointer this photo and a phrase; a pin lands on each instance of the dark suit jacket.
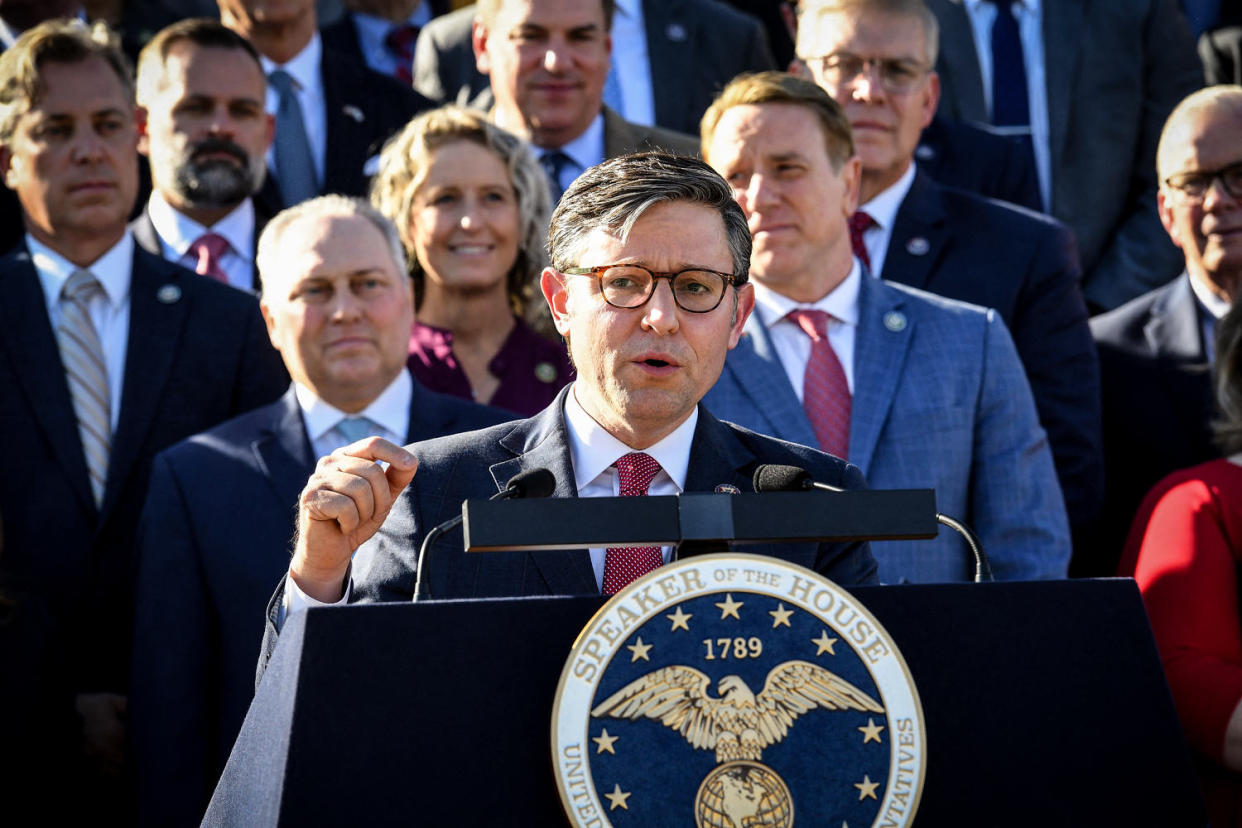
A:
(695, 47)
(342, 36)
(1025, 266)
(970, 157)
(196, 356)
(1157, 393)
(1115, 69)
(621, 137)
(479, 464)
(364, 109)
(214, 538)
(149, 240)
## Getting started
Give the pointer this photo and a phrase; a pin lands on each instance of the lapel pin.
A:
(168, 294)
(918, 246)
(895, 321)
(353, 112)
(545, 372)
(727, 488)
(676, 32)
(924, 152)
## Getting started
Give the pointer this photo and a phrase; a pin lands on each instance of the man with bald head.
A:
(1156, 352)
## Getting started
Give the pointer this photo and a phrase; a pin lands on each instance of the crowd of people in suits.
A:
(987, 247)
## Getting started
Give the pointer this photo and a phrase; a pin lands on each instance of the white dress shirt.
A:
(373, 31)
(792, 345)
(109, 311)
(632, 62)
(390, 411)
(593, 451)
(883, 208)
(1029, 15)
(177, 231)
(304, 68)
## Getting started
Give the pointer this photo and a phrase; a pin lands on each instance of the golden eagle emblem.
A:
(738, 724)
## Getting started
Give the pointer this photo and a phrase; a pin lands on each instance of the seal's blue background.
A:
(821, 757)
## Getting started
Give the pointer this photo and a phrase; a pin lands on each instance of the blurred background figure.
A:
(1185, 551)
(382, 33)
(471, 204)
(1156, 351)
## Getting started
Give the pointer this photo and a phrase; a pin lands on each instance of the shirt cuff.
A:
(295, 600)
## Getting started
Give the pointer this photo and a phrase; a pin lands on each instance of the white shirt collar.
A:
(1212, 303)
(1029, 5)
(884, 205)
(179, 231)
(593, 450)
(627, 7)
(112, 269)
(587, 149)
(391, 409)
(841, 302)
(303, 67)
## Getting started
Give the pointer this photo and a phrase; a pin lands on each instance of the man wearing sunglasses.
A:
(648, 285)
(1156, 352)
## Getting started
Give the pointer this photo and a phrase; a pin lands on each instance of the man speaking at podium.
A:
(648, 285)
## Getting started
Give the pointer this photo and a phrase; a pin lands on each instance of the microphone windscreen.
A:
(771, 477)
(532, 483)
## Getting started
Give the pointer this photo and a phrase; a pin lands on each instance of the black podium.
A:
(1045, 705)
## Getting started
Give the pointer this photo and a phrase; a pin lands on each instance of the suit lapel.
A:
(619, 136)
(154, 338)
(1063, 45)
(761, 378)
(716, 457)
(143, 230)
(429, 416)
(880, 346)
(284, 451)
(959, 64)
(347, 139)
(921, 216)
(670, 59)
(542, 442)
(1174, 329)
(30, 342)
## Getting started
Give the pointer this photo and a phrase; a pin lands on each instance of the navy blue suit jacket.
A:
(970, 157)
(1158, 404)
(1025, 266)
(215, 536)
(196, 357)
(479, 464)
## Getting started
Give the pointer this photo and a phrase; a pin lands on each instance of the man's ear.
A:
(745, 306)
(1163, 209)
(6, 165)
(556, 294)
(140, 122)
(478, 42)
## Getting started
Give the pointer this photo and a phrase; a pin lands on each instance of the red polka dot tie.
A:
(859, 224)
(623, 564)
(825, 392)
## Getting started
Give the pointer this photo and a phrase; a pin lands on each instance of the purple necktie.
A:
(209, 248)
(859, 224)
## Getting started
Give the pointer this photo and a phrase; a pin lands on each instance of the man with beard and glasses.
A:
(206, 133)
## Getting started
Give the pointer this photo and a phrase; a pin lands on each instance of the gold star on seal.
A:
(679, 620)
(866, 788)
(729, 607)
(639, 649)
(871, 733)
(824, 644)
(780, 615)
(605, 741)
(617, 798)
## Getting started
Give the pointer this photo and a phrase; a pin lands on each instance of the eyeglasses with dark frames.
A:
(1195, 185)
(896, 75)
(628, 286)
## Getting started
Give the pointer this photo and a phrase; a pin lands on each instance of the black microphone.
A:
(777, 478)
(530, 483)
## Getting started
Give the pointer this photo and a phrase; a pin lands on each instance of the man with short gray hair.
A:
(648, 285)
(338, 307)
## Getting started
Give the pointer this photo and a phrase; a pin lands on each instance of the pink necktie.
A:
(209, 247)
(859, 223)
(825, 393)
(623, 564)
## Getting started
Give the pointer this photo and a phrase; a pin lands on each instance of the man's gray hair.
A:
(268, 256)
(613, 195)
(908, 8)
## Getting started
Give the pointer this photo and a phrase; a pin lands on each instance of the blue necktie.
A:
(1010, 106)
(554, 164)
(354, 429)
(295, 168)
